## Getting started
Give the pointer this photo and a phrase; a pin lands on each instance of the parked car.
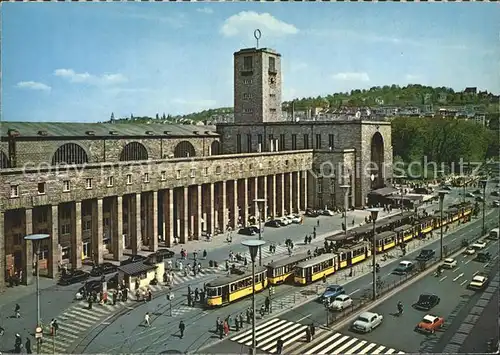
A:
(133, 259)
(162, 254)
(478, 282)
(285, 220)
(295, 218)
(479, 199)
(89, 286)
(275, 223)
(496, 203)
(312, 213)
(426, 255)
(341, 302)
(426, 302)
(480, 244)
(367, 321)
(449, 263)
(429, 324)
(103, 269)
(483, 257)
(327, 213)
(477, 192)
(331, 292)
(403, 268)
(495, 193)
(73, 277)
(250, 230)
(469, 251)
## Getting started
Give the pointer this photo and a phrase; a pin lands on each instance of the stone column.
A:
(272, 196)
(211, 209)
(168, 210)
(118, 240)
(153, 241)
(244, 208)
(255, 196)
(282, 195)
(2, 252)
(290, 193)
(297, 191)
(76, 253)
(97, 242)
(54, 243)
(184, 232)
(28, 249)
(223, 207)
(199, 213)
(234, 206)
(264, 211)
(136, 239)
(306, 189)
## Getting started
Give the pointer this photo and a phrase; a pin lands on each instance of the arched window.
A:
(184, 149)
(215, 148)
(70, 153)
(134, 151)
(377, 160)
(4, 161)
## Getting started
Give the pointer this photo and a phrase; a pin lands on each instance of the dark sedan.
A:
(161, 255)
(73, 277)
(312, 213)
(103, 269)
(426, 302)
(133, 259)
(483, 257)
(274, 223)
(251, 230)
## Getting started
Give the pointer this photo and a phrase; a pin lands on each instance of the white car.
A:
(341, 302)
(327, 213)
(449, 263)
(479, 245)
(294, 218)
(478, 282)
(367, 321)
(470, 251)
(284, 221)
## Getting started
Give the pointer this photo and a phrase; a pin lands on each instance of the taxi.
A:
(429, 324)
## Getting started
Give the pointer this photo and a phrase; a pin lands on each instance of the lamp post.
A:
(442, 194)
(345, 188)
(463, 192)
(257, 201)
(483, 184)
(253, 245)
(374, 214)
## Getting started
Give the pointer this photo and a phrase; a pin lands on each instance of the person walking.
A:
(17, 311)
(226, 328)
(54, 326)
(27, 345)
(182, 327)
(146, 319)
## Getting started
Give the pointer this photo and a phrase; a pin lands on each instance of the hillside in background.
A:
(394, 95)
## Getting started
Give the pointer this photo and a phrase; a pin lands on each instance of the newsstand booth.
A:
(142, 272)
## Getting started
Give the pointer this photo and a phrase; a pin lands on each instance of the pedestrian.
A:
(317, 223)
(17, 311)
(236, 323)
(241, 320)
(115, 297)
(146, 319)
(279, 346)
(226, 328)
(248, 315)
(182, 326)
(54, 326)
(204, 254)
(217, 325)
(196, 294)
(267, 303)
(221, 330)
(27, 345)
(150, 295)
(18, 344)
(313, 329)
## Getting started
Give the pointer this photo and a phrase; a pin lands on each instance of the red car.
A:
(430, 323)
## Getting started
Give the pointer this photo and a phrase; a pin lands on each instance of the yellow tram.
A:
(350, 255)
(385, 241)
(316, 268)
(282, 270)
(227, 289)
(405, 233)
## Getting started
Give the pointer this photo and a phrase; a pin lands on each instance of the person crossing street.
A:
(147, 319)
(182, 327)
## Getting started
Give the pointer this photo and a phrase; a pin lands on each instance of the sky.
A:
(79, 62)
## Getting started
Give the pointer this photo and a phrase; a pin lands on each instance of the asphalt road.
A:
(314, 312)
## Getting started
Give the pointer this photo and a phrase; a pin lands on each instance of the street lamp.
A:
(253, 245)
(257, 201)
(483, 184)
(442, 194)
(345, 188)
(374, 214)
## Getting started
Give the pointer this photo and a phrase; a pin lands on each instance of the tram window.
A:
(343, 256)
(316, 268)
(212, 292)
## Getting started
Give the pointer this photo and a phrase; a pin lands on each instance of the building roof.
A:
(384, 191)
(63, 129)
(136, 268)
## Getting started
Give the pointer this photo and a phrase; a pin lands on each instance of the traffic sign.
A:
(38, 332)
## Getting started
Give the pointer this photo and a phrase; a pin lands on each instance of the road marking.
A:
(453, 239)
(485, 265)
(474, 274)
(443, 278)
(495, 257)
(459, 276)
(463, 282)
(353, 292)
(456, 269)
(304, 317)
(468, 261)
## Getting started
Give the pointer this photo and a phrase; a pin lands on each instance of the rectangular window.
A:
(294, 142)
(65, 253)
(247, 96)
(318, 141)
(331, 141)
(238, 143)
(41, 188)
(205, 171)
(306, 141)
(66, 186)
(66, 228)
(129, 179)
(272, 96)
(163, 176)
(248, 110)
(249, 143)
(111, 181)
(43, 216)
(88, 183)
(260, 142)
(272, 64)
(282, 142)
(247, 63)
(87, 225)
(247, 81)
(192, 173)
(178, 174)
(146, 177)
(319, 186)
(273, 110)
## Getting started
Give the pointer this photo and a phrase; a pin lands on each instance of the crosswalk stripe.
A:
(334, 345)
(239, 336)
(289, 332)
(356, 348)
(368, 348)
(287, 339)
(319, 346)
(401, 352)
(77, 320)
(71, 328)
(379, 349)
(263, 331)
(390, 351)
(346, 345)
(79, 313)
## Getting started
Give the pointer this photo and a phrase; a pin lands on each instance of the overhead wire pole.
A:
(442, 194)
(257, 201)
(374, 214)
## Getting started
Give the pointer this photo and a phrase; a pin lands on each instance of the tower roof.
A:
(256, 50)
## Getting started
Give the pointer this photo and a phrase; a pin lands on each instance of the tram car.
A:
(228, 289)
(282, 271)
(316, 268)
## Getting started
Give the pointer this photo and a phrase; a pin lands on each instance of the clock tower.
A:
(257, 86)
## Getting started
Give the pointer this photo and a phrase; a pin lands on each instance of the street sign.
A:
(38, 332)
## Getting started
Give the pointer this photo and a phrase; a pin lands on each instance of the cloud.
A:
(351, 76)
(246, 22)
(33, 85)
(86, 78)
(205, 10)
